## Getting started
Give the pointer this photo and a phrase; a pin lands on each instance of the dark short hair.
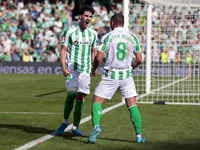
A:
(118, 19)
(86, 8)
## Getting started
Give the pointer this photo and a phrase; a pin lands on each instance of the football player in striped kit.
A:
(119, 46)
(76, 56)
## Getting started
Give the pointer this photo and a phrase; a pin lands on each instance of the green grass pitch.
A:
(31, 106)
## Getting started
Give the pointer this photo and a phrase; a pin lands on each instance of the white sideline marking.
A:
(170, 84)
(36, 113)
(49, 136)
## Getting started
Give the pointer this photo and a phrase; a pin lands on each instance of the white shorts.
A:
(106, 88)
(78, 80)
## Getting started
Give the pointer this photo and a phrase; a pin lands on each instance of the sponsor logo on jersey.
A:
(100, 43)
(83, 42)
(119, 68)
(88, 86)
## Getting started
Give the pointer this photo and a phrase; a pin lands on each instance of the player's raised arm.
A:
(63, 50)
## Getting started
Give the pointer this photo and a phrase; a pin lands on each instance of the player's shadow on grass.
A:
(28, 129)
(149, 145)
(69, 136)
(49, 93)
(167, 145)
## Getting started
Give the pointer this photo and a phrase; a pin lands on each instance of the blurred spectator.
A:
(188, 58)
(27, 49)
(20, 21)
(18, 44)
(26, 57)
(45, 24)
(24, 11)
(184, 31)
(171, 55)
(51, 57)
(33, 13)
(16, 55)
(70, 4)
(112, 10)
(8, 34)
(58, 26)
(7, 56)
(38, 47)
(103, 14)
(96, 6)
(67, 22)
(53, 41)
(195, 58)
(38, 7)
(13, 25)
(60, 5)
(119, 7)
(1, 51)
(154, 15)
(4, 25)
(51, 20)
(155, 51)
(24, 26)
(47, 8)
(197, 43)
(48, 32)
(177, 58)
(163, 56)
(7, 45)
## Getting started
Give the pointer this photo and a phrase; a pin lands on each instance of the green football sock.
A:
(69, 103)
(78, 112)
(135, 118)
(96, 113)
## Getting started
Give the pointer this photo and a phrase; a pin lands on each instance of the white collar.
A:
(119, 28)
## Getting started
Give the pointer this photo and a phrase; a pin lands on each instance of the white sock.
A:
(139, 135)
(95, 126)
(65, 121)
(74, 127)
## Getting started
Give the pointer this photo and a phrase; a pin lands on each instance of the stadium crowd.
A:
(32, 31)
(175, 32)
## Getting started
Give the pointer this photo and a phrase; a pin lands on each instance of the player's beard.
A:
(84, 24)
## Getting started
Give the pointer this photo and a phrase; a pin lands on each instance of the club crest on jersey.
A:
(83, 42)
(90, 38)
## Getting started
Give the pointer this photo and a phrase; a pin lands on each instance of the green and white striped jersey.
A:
(119, 46)
(79, 43)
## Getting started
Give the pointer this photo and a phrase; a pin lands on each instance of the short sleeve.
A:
(65, 38)
(103, 43)
(94, 43)
(137, 44)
